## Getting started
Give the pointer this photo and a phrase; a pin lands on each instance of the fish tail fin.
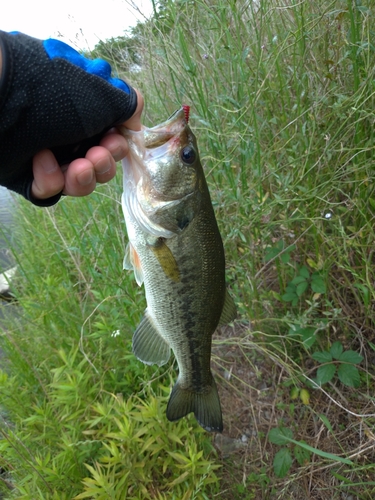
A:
(205, 405)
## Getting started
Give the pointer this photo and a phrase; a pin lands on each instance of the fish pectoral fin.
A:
(229, 312)
(205, 405)
(148, 345)
(133, 263)
(166, 259)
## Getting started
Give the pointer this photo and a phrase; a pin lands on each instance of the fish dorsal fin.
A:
(229, 312)
(166, 259)
(148, 345)
(133, 263)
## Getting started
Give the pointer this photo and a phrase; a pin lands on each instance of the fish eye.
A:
(188, 155)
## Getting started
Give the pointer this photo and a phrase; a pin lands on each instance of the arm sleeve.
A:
(49, 102)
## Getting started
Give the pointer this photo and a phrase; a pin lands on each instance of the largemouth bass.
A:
(176, 250)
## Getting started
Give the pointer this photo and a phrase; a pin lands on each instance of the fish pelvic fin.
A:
(229, 312)
(205, 405)
(148, 345)
(132, 262)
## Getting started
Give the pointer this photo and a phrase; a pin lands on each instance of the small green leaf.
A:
(280, 436)
(309, 342)
(301, 454)
(294, 330)
(365, 293)
(272, 252)
(305, 396)
(326, 422)
(282, 462)
(308, 336)
(294, 392)
(304, 272)
(349, 375)
(289, 297)
(351, 357)
(322, 357)
(298, 279)
(321, 453)
(336, 349)
(301, 288)
(325, 373)
(285, 257)
(317, 283)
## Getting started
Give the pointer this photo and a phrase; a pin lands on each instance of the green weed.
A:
(338, 362)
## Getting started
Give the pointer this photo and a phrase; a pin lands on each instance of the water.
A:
(7, 207)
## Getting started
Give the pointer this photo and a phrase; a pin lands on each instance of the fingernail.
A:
(102, 167)
(117, 154)
(85, 178)
(49, 167)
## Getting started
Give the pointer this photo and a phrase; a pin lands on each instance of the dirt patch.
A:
(255, 398)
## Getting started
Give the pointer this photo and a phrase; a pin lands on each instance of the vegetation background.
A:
(282, 95)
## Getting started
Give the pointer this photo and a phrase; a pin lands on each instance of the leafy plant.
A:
(303, 394)
(340, 362)
(247, 490)
(306, 333)
(283, 459)
(298, 286)
(301, 451)
(281, 250)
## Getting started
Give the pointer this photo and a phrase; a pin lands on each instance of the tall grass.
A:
(282, 97)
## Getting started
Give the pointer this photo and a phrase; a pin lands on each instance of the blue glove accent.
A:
(98, 67)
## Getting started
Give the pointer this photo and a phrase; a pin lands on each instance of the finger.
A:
(103, 163)
(82, 174)
(116, 144)
(134, 123)
(79, 178)
(48, 177)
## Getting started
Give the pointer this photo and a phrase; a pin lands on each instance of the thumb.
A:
(134, 123)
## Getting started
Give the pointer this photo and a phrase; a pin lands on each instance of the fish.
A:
(176, 251)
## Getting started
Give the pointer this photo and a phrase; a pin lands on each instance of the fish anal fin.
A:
(133, 263)
(205, 405)
(166, 259)
(148, 345)
(229, 312)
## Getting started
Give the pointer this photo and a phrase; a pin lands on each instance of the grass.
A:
(282, 97)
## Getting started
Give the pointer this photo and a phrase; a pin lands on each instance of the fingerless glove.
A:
(51, 97)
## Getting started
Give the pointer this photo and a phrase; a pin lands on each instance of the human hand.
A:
(80, 177)
(57, 108)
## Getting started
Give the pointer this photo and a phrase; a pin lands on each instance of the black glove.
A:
(51, 97)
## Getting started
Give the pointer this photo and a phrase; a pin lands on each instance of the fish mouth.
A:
(161, 134)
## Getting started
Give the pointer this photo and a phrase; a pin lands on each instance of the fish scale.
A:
(176, 250)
